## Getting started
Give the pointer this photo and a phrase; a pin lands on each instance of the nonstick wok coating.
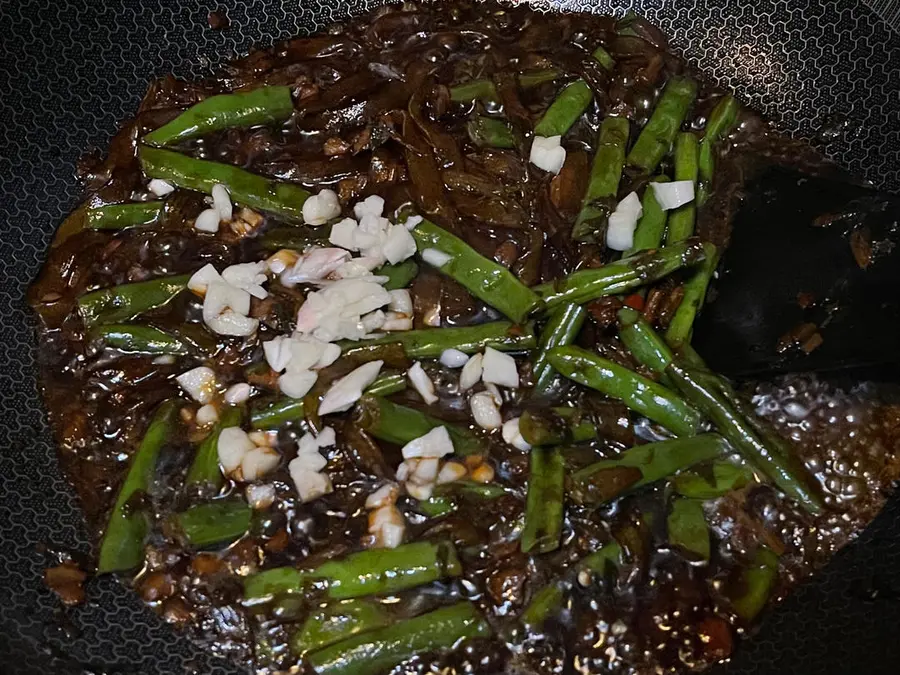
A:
(71, 73)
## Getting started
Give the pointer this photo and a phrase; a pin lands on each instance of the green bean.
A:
(571, 102)
(378, 651)
(642, 465)
(205, 467)
(650, 399)
(388, 421)
(620, 276)
(721, 121)
(430, 343)
(399, 275)
(657, 136)
(704, 390)
(387, 385)
(722, 478)
(485, 279)
(121, 303)
(277, 413)
(557, 426)
(562, 327)
(603, 186)
(217, 522)
(122, 547)
(651, 226)
(485, 90)
(122, 216)
(468, 488)
(679, 331)
(268, 584)
(688, 529)
(435, 507)
(754, 584)
(544, 504)
(249, 189)
(295, 238)
(137, 339)
(489, 132)
(681, 220)
(338, 621)
(226, 111)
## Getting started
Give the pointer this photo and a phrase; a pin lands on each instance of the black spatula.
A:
(810, 282)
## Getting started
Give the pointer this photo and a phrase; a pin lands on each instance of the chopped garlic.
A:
(319, 209)
(296, 382)
(310, 485)
(401, 301)
(199, 383)
(386, 494)
(348, 390)
(225, 309)
(485, 411)
(436, 258)
(222, 202)
(160, 187)
(326, 438)
(248, 277)
(394, 322)
(435, 444)
(450, 472)
(314, 265)
(623, 222)
(413, 222)
(343, 234)
(513, 436)
(206, 415)
(370, 206)
(207, 221)
(453, 358)
(672, 195)
(202, 278)
(500, 368)
(399, 245)
(471, 372)
(232, 446)
(422, 383)
(238, 393)
(257, 463)
(260, 496)
(280, 261)
(547, 153)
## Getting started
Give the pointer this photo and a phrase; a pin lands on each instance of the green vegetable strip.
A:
(226, 111)
(399, 276)
(688, 529)
(548, 601)
(121, 303)
(218, 522)
(571, 102)
(704, 390)
(754, 585)
(205, 467)
(266, 585)
(249, 189)
(620, 276)
(430, 343)
(297, 238)
(485, 279)
(644, 396)
(485, 90)
(723, 478)
(602, 481)
(721, 121)
(387, 385)
(275, 414)
(652, 225)
(490, 132)
(556, 426)
(378, 651)
(338, 621)
(657, 136)
(122, 216)
(563, 326)
(544, 505)
(679, 331)
(436, 507)
(681, 220)
(380, 571)
(136, 339)
(122, 547)
(388, 421)
(467, 488)
(606, 172)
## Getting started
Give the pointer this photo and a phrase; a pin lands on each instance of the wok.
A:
(71, 72)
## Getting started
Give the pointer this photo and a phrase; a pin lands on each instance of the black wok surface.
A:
(71, 72)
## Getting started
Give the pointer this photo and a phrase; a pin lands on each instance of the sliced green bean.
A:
(137, 339)
(249, 189)
(544, 504)
(485, 90)
(557, 426)
(754, 584)
(562, 327)
(642, 465)
(399, 275)
(721, 121)
(681, 220)
(657, 136)
(378, 651)
(217, 522)
(571, 102)
(606, 173)
(205, 467)
(275, 414)
(485, 279)
(123, 216)
(394, 423)
(687, 528)
(490, 132)
(386, 385)
(651, 226)
(122, 303)
(650, 399)
(679, 331)
(721, 478)
(338, 621)
(122, 547)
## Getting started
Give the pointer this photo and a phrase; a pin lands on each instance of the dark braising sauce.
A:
(374, 116)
